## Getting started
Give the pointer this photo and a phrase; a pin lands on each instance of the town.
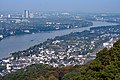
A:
(30, 23)
(72, 49)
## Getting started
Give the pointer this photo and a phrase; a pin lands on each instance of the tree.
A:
(40, 78)
(52, 77)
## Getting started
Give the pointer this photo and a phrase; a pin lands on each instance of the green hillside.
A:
(105, 67)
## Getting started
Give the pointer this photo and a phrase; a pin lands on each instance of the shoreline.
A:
(52, 32)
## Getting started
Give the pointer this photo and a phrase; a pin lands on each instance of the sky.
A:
(92, 6)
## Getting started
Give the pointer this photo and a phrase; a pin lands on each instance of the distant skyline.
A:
(91, 6)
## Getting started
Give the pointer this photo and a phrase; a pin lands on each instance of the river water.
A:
(22, 42)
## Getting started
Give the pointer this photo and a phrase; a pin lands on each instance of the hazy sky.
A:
(112, 6)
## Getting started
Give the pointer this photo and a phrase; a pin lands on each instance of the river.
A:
(22, 42)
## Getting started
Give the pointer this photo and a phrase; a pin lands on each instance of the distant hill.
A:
(105, 67)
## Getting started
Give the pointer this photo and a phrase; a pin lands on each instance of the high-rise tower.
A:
(26, 14)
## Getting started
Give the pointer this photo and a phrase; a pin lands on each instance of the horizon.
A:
(83, 6)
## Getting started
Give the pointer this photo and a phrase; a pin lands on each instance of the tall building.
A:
(26, 14)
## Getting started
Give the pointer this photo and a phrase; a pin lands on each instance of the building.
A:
(26, 14)
(108, 45)
(1, 36)
(31, 15)
(8, 66)
(9, 16)
(1, 16)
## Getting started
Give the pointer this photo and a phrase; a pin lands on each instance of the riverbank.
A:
(18, 43)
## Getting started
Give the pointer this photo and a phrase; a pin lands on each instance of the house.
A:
(1, 36)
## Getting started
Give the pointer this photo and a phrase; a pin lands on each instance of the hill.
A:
(106, 66)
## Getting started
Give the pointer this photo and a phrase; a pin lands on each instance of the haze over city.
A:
(92, 6)
(59, 40)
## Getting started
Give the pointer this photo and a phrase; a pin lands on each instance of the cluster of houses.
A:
(44, 57)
